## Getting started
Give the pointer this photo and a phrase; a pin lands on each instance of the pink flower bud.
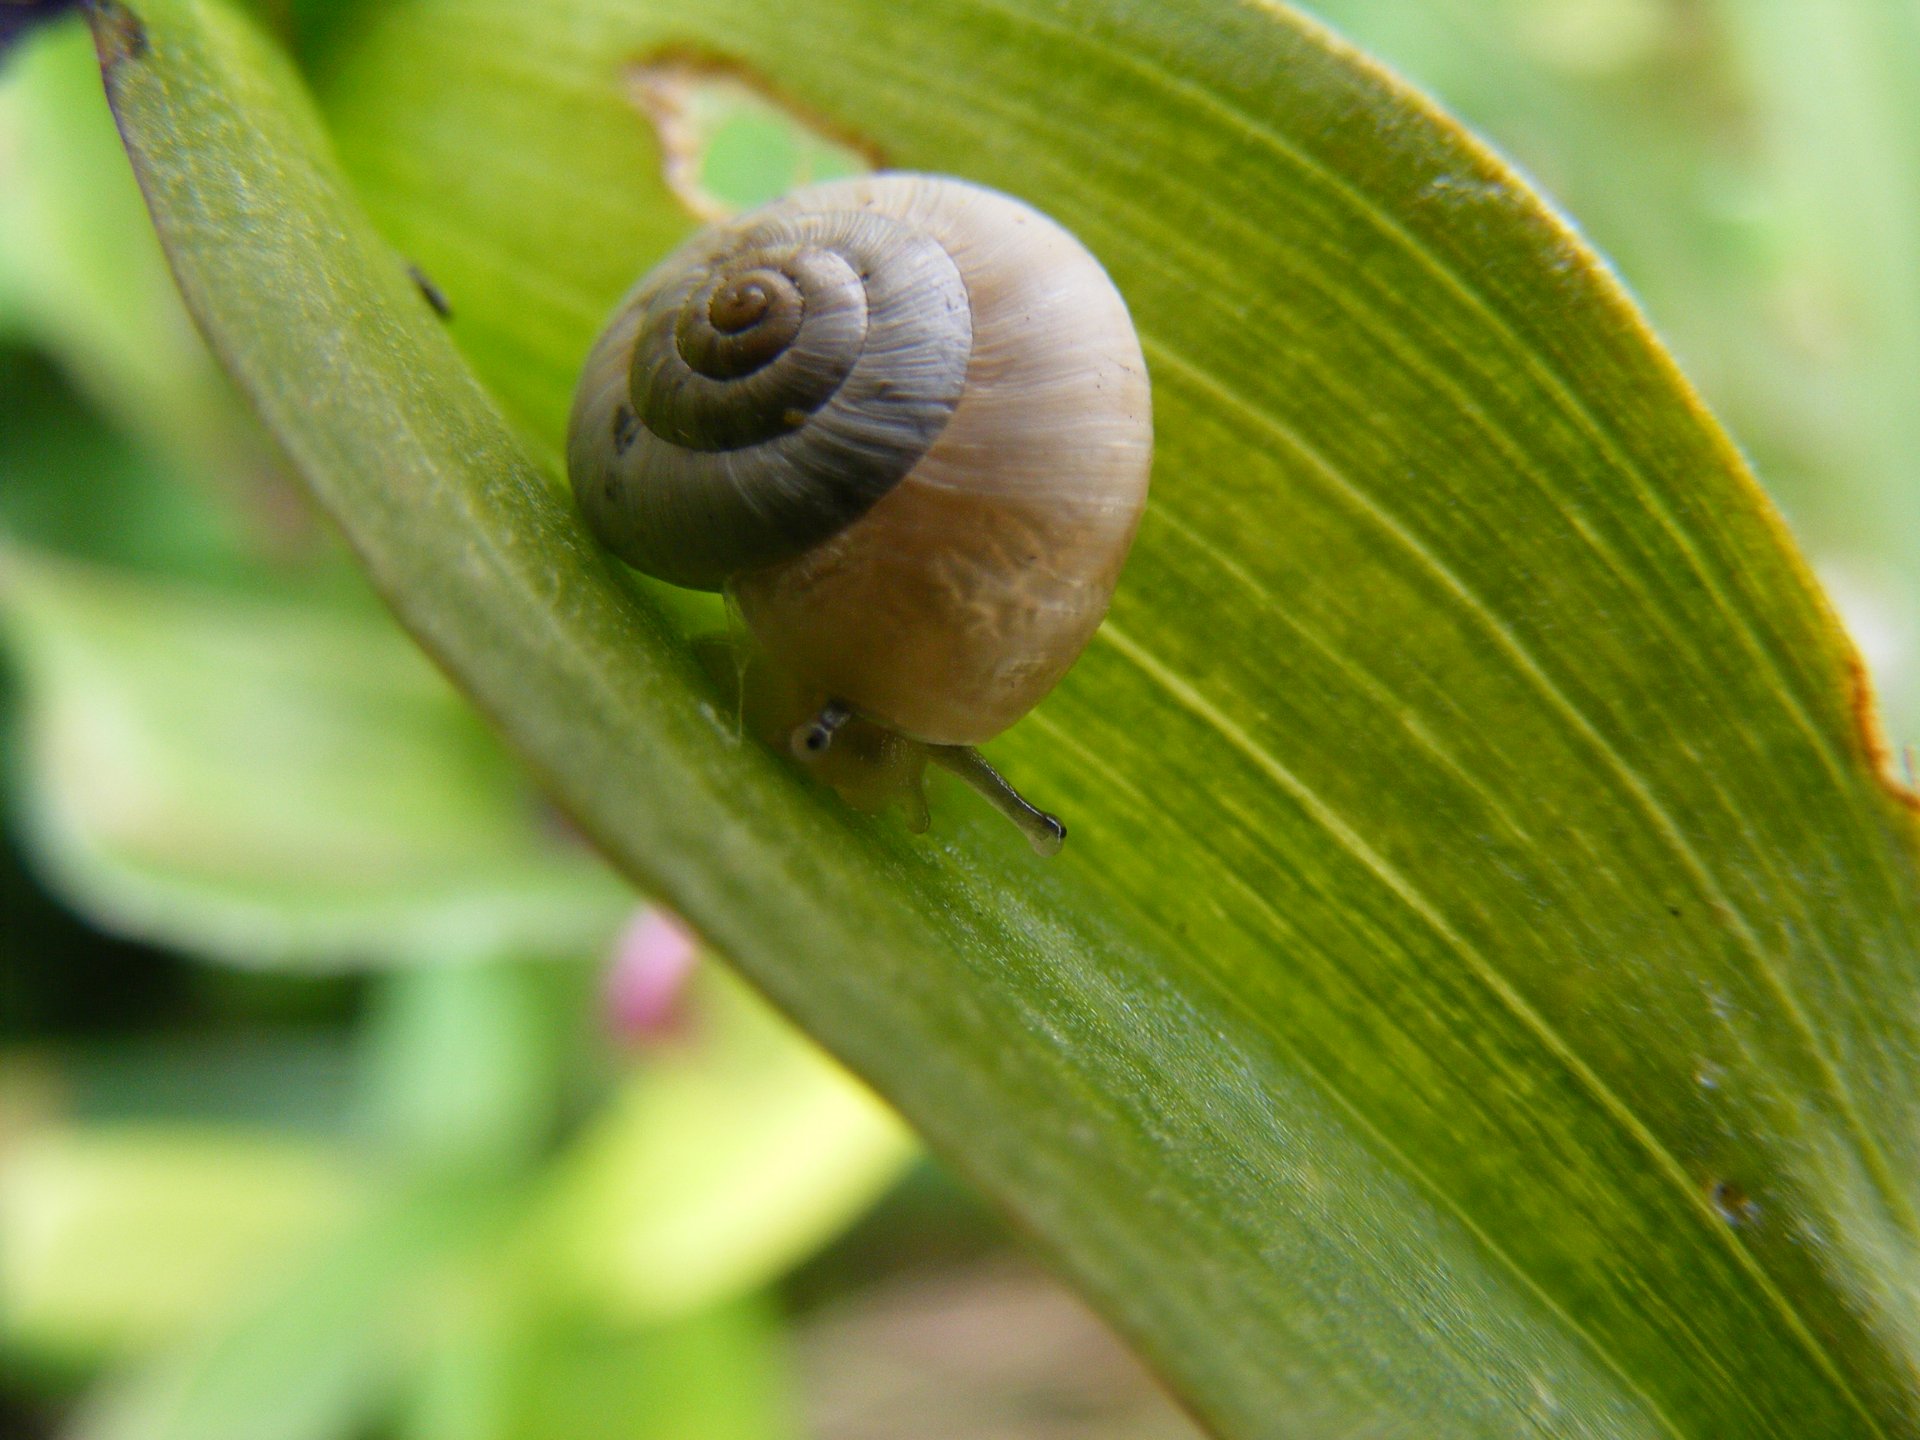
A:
(644, 993)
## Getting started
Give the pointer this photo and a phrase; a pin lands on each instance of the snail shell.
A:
(903, 420)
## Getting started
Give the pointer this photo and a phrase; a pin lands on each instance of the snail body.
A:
(904, 422)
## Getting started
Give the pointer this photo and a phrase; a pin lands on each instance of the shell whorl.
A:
(765, 386)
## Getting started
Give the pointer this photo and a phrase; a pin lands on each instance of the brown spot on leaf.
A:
(1873, 738)
(119, 35)
(1735, 1206)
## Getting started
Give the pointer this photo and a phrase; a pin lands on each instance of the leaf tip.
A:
(119, 35)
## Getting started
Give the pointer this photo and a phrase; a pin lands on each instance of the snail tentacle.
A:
(813, 737)
(1044, 832)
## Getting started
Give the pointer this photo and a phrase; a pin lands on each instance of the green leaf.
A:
(265, 778)
(722, 1162)
(1766, 222)
(507, 1375)
(463, 1067)
(314, 1359)
(70, 484)
(1479, 997)
(717, 1375)
(118, 1239)
(292, 1081)
(87, 280)
(1567, 87)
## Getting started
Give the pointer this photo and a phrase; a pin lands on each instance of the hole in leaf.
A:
(729, 142)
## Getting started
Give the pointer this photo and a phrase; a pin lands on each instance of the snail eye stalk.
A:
(1043, 831)
(814, 736)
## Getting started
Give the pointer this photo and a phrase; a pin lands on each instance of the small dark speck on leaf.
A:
(435, 296)
(1674, 910)
(1736, 1207)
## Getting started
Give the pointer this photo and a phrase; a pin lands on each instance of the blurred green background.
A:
(343, 1093)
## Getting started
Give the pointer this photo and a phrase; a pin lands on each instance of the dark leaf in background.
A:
(17, 17)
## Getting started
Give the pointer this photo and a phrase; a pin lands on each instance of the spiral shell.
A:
(903, 420)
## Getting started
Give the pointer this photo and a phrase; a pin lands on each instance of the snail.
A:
(903, 423)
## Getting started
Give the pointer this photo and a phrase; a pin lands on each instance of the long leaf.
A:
(276, 780)
(1479, 998)
(315, 1357)
(118, 1238)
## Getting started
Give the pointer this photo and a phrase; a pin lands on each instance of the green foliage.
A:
(1479, 995)
(265, 778)
(708, 1176)
(314, 1356)
(84, 278)
(219, 742)
(120, 1237)
(1748, 166)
